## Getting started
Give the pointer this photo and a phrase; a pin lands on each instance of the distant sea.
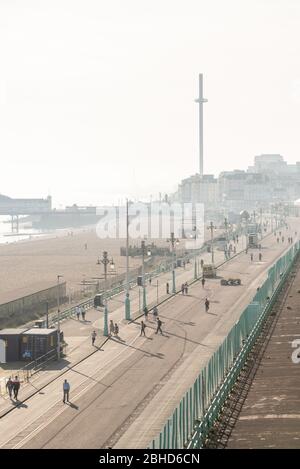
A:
(25, 232)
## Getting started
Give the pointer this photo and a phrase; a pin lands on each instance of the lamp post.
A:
(143, 246)
(261, 222)
(105, 261)
(211, 227)
(172, 240)
(58, 318)
(195, 257)
(127, 299)
(226, 229)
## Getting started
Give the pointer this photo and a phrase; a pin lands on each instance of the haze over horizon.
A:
(97, 97)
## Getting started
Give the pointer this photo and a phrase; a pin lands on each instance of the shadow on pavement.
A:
(19, 404)
(73, 406)
(87, 376)
(155, 355)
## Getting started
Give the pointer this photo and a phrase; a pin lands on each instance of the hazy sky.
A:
(97, 96)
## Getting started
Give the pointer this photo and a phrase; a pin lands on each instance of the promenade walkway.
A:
(124, 391)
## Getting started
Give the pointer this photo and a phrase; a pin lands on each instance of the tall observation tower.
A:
(200, 100)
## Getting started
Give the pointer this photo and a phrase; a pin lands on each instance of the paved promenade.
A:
(124, 391)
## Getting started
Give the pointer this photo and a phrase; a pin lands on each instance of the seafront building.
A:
(270, 180)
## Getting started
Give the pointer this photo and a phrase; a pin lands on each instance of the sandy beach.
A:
(32, 265)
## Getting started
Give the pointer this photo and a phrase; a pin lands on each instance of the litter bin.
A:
(98, 300)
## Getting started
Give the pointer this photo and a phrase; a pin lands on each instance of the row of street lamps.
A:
(105, 261)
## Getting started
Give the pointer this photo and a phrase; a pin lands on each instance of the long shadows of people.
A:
(19, 404)
(89, 377)
(149, 354)
(178, 320)
(73, 406)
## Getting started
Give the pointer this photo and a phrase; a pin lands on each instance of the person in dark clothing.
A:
(206, 305)
(16, 387)
(9, 387)
(182, 288)
(159, 323)
(186, 288)
(94, 335)
(66, 390)
(167, 288)
(203, 282)
(155, 312)
(143, 327)
(146, 313)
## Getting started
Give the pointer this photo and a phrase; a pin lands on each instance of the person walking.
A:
(206, 304)
(143, 327)
(66, 391)
(159, 324)
(203, 282)
(251, 257)
(155, 312)
(16, 387)
(146, 313)
(94, 335)
(167, 288)
(260, 256)
(9, 387)
(186, 288)
(116, 331)
(83, 313)
(78, 312)
(111, 327)
(182, 288)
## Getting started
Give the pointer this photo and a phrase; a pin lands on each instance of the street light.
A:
(127, 299)
(105, 261)
(211, 227)
(58, 318)
(195, 257)
(173, 241)
(143, 246)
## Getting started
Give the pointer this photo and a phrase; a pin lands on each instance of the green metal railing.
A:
(201, 404)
